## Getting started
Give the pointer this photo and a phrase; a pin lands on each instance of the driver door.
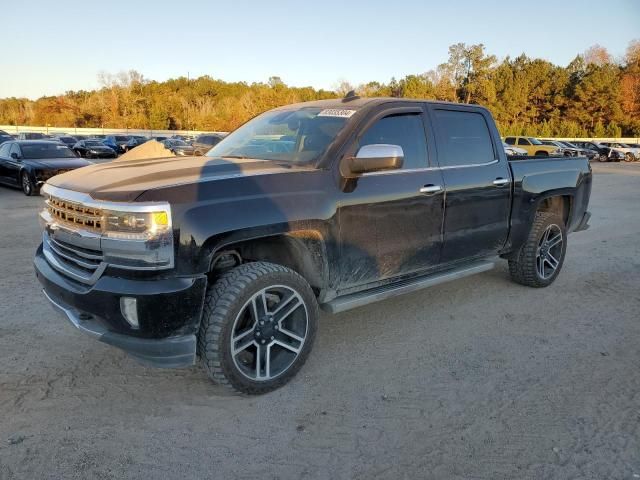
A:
(391, 221)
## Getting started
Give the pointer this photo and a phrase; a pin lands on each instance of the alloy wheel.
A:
(269, 332)
(549, 252)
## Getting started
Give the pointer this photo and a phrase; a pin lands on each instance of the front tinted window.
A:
(523, 141)
(41, 151)
(463, 138)
(405, 130)
(296, 135)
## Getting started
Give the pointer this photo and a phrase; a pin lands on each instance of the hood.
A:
(126, 180)
(98, 147)
(57, 163)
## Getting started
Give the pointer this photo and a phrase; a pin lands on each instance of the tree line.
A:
(594, 96)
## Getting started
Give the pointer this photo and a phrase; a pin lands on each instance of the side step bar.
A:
(353, 300)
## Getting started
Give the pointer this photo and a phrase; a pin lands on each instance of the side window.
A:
(15, 148)
(405, 130)
(463, 138)
(510, 141)
(523, 141)
(4, 150)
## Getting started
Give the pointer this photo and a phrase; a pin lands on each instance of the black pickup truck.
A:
(331, 204)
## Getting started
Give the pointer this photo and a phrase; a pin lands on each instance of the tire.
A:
(229, 312)
(603, 158)
(542, 154)
(628, 157)
(525, 266)
(197, 153)
(28, 188)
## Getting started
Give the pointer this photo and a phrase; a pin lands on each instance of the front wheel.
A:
(540, 259)
(28, 188)
(258, 326)
(603, 158)
(628, 157)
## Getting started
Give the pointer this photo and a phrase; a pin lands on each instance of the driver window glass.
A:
(405, 130)
(523, 141)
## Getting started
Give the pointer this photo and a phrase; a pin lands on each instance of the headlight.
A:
(131, 236)
(138, 239)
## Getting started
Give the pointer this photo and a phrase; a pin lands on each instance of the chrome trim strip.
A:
(82, 263)
(427, 169)
(88, 256)
(69, 271)
(88, 201)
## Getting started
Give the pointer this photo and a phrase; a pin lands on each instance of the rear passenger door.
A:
(477, 181)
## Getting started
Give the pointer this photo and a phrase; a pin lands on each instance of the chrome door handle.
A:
(431, 189)
(499, 182)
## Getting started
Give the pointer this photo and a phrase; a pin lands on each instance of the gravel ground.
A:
(476, 379)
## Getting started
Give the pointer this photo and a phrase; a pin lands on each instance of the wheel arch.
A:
(303, 251)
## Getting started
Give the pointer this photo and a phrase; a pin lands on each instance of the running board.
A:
(359, 299)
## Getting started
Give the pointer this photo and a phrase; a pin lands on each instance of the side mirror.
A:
(376, 157)
(15, 156)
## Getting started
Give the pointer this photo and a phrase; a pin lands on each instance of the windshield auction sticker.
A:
(336, 112)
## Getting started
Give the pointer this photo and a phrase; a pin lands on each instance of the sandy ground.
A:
(476, 379)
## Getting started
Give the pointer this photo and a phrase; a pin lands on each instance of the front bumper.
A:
(169, 311)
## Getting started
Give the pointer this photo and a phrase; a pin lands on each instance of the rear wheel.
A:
(603, 158)
(628, 157)
(258, 326)
(540, 259)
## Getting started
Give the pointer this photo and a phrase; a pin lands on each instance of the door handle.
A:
(501, 182)
(431, 189)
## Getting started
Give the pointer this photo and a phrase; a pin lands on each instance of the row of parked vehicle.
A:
(110, 146)
(601, 151)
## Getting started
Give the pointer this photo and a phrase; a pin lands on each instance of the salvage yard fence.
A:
(15, 129)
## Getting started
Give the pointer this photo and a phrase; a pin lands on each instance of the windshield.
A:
(177, 142)
(42, 151)
(93, 144)
(535, 141)
(295, 136)
(68, 140)
(121, 138)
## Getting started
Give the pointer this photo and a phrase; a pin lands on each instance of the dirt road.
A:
(476, 379)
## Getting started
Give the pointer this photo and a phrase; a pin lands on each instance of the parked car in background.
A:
(513, 151)
(203, 143)
(31, 136)
(178, 147)
(93, 149)
(134, 142)
(68, 140)
(582, 152)
(5, 138)
(30, 163)
(563, 149)
(533, 146)
(116, 142)
(630, 154)
(603, 153)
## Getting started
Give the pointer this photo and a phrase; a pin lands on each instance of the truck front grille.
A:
(80, 264)
(74, 214)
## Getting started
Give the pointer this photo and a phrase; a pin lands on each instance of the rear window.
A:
(510, 140)
(463, 138)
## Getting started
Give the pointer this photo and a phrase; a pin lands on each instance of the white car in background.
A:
(512, 150)
(631, 154)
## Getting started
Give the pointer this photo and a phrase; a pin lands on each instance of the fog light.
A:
(129, 309)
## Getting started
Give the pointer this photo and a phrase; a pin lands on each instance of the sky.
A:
(52, 47)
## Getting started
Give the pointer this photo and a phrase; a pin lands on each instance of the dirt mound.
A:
(150, 149)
